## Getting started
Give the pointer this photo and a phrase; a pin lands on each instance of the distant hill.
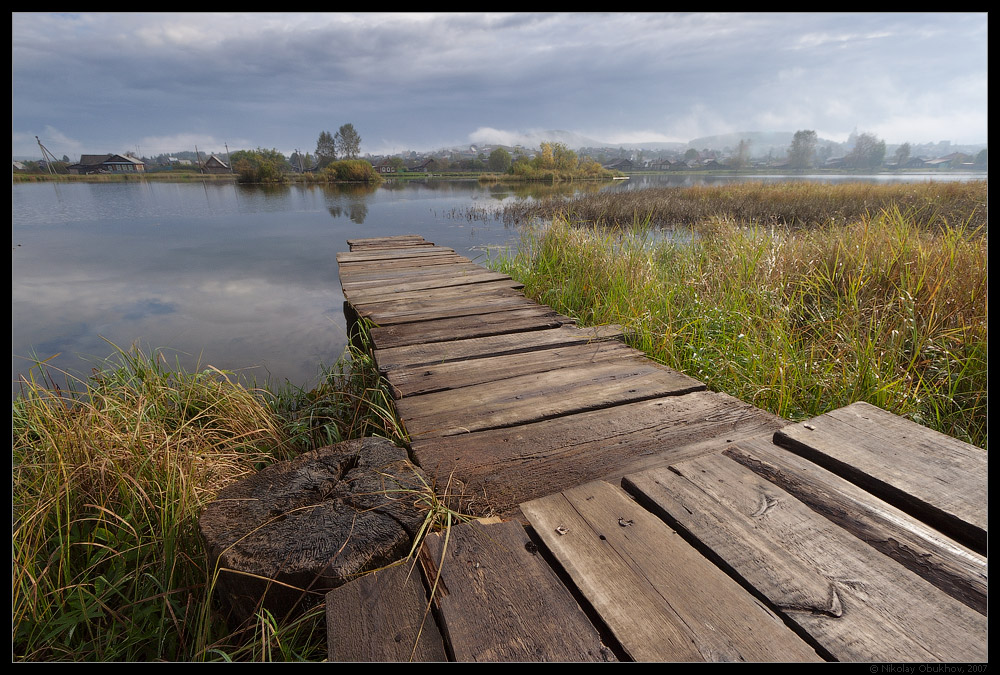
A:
(761, 142)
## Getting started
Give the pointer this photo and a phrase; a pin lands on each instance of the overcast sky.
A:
(95, 83)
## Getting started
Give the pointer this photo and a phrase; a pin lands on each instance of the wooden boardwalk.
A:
(644, 517)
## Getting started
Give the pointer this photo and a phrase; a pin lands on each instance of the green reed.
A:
(110, 475)
(888, 308)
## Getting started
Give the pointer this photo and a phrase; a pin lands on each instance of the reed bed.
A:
(767, 204)
(110, 476)
(888, 307)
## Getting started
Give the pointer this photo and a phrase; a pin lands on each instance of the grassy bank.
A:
(767, 204)
(109, 479)
(888, 307)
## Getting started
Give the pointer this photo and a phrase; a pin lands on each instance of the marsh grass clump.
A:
(110, 475)
(108, 478)
(886, 308)
(786, 204)
(351, 400)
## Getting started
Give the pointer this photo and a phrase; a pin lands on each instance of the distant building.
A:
(107, 164)
(215, 165)
(425, 166)
(385, 167)
(620, 165)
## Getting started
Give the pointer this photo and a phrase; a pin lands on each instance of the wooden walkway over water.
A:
(644, 517)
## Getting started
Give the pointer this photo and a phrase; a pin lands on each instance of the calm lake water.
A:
(240, 278)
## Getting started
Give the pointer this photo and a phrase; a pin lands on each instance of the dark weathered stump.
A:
(285, 536)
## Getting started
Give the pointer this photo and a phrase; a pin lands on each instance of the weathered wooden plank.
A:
(856, 603)
(479, 325)
(928, 474)
(953, 568)
(500, 601)
(441, 276)
(531, 398)
(422, 262)
(362, 300)
(396, 241)
(404, 285)
(363, 278)
(660, 597)
(470, 305)
(393, 253)
(458, 374)
(410, 356)
(383, 616)
(503, 467)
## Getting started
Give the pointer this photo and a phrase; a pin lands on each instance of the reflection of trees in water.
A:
(349, 200)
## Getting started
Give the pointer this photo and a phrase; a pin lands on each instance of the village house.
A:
(425, 166)
(107, 164)
(620, 165)
(384, 167)
(215, 165)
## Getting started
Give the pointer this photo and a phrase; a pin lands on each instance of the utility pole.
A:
(46, 155)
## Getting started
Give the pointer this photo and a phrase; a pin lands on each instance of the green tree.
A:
(802, 151)
(982, 159)
(555, 156)
(499, 161)
(326, 149)
(348, 142)
(868, 152)
(259, 166)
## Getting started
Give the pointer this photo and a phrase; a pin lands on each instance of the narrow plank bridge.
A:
(642, 516)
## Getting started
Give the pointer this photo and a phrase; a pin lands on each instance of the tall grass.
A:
(886, 308)
(777, 204)
(109, 478)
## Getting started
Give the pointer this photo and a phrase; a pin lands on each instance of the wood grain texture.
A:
(479, 325)
(855, 602)
(400, 253)
(388, 314)
(661, 598)
(404, 284)
(457, 374)
(535, 397)
(383, 616)
(955, 569)
(397, 241)
(932, 476)
(503, 467)
(366, 276)
(410, 356)
(362, 299)
(500, 601)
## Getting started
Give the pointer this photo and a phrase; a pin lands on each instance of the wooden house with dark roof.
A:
(215, 165)
(107, 163)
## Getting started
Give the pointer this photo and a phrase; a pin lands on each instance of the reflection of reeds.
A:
(877, 307)
(790, 204)
(109, 479)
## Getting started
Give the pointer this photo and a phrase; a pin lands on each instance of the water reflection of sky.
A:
(232, 277)
(239, 278)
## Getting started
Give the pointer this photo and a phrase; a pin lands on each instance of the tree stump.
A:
(283, 537)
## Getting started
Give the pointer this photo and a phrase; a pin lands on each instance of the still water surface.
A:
(240, 278)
